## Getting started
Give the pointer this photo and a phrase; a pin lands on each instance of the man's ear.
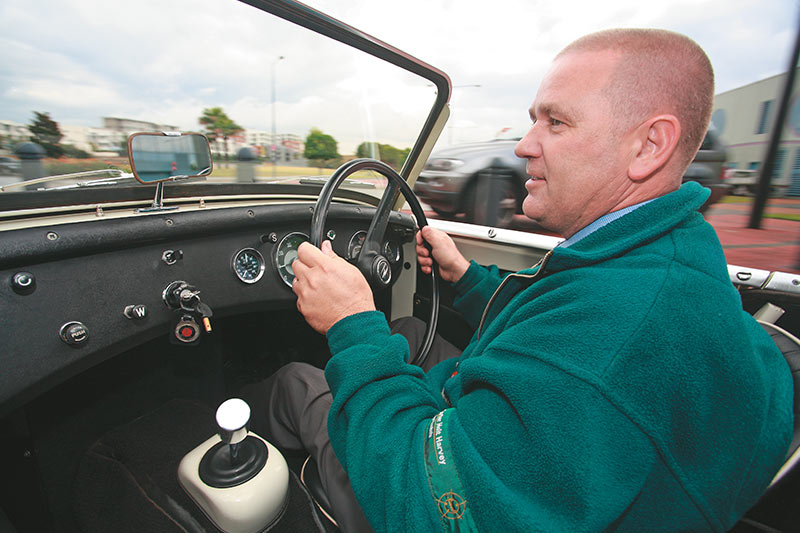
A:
(656, 140)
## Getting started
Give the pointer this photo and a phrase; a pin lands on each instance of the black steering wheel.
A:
(371, 261)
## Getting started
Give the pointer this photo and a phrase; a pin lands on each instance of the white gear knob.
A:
(232, 418)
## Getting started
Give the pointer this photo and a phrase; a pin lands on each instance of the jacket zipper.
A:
(530, 277)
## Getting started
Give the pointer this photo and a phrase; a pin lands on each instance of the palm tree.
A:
(218, 125)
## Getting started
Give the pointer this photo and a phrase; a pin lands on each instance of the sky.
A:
(506, 45)
(166, 61)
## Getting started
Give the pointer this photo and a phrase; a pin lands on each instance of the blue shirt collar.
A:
(600, 222)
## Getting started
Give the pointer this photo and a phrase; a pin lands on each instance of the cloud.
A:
(167, 61)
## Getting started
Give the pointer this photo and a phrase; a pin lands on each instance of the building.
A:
(128, 126)
(12, 133)
(744, 118)
(288, 147)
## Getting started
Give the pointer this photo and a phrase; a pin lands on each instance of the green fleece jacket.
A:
(622, 387)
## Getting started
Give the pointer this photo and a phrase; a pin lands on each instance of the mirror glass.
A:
(157, 157)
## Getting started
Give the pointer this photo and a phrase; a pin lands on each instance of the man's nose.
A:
(529, 145)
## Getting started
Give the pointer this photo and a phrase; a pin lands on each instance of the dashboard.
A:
(73, 295)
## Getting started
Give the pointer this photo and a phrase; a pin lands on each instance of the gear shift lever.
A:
(232, 418)
(239, 480)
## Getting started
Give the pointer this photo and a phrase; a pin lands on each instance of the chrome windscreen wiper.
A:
(107, 176)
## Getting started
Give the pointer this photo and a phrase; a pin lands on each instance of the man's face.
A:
(576, 154)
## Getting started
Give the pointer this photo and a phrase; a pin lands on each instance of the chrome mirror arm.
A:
(158, 202)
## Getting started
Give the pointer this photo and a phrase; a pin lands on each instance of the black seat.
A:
(309, 476)
(779, 507)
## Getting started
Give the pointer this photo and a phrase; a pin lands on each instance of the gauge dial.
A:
(286, 253)
(391, 250)
(248, 265)
(355, 244)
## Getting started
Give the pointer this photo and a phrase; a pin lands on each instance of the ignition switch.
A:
(184, 299)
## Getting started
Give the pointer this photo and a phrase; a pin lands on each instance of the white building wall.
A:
(14, 132)
(737, 117)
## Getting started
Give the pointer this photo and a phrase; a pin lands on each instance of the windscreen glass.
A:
(279, 103)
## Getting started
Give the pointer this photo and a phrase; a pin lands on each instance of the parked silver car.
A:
(449, 181)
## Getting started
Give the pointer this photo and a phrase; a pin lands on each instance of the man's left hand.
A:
(328, 288)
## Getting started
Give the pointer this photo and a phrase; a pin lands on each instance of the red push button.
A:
(187, 331)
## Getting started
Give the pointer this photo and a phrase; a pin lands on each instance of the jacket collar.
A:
(644, 224)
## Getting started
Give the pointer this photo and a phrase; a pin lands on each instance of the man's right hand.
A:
(452, 265)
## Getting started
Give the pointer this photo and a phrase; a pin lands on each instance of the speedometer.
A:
(286, 253)
(248, 265)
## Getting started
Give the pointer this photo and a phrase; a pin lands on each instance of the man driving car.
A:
(617, 384)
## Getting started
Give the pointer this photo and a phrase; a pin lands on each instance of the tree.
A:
(320, 147)
(394, 157)
(45, 131)
(75, 152)
(218, 125)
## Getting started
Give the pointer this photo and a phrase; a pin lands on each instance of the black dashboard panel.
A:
(92, 271)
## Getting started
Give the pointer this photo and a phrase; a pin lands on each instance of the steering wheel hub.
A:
(382, 270)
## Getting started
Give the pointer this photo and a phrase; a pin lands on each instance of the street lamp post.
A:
(451, 127)
(273, 146)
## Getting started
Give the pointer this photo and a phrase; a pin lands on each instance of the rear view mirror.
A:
(157, 157)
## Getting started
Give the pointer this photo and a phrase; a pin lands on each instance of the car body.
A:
(451, 176)
(744, 182)
(9, 165)
(450, 179)
(708, 168)
(741, 181)
(92, 341)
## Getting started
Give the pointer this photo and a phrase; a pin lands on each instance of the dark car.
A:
(708, 168)
(449, 180)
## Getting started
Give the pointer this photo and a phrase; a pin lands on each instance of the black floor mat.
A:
(127, 481)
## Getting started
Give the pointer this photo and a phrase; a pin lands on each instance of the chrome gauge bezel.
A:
(259, 259)
(279, 262)
(392, 251)
(360, 235)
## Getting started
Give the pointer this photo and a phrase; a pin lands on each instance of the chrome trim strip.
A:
(498, 235)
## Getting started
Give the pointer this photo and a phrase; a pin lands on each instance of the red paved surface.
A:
(776, 246)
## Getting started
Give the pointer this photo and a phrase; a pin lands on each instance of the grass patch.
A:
(783, 216)
(736, 199)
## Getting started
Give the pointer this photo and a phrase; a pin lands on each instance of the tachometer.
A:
(286, 253)
(248, 265)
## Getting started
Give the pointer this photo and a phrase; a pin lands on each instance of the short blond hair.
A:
(659, 71)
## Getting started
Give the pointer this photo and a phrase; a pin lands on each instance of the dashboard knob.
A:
(23, 283)
(135, 312)
(74, 333)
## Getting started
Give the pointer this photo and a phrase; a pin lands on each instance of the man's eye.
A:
(555, 122)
